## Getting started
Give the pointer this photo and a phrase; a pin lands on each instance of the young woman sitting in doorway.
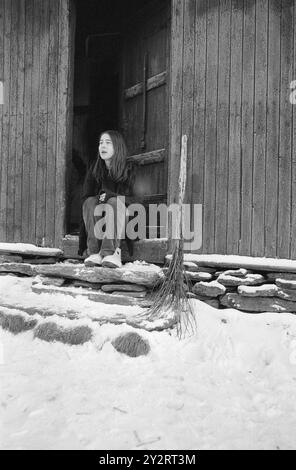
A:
(108, 178)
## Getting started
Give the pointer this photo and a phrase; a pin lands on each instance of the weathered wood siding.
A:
(35, 66)
(232, 65)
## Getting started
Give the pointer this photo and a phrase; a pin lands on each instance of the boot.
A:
(94, 260)
(113, 261)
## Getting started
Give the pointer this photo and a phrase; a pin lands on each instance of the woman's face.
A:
(106, 149)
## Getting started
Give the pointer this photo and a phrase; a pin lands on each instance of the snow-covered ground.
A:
(230, 386)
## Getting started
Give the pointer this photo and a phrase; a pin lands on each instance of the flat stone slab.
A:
(248, 280)
(192, 266)
(49, 281)
(10, 259)
(242, 272)
(87, 285)
(247, 262)
(288, 294)
(95, 296)
(287, 276)
(258, 304)
(43, 260)
(189, 266)
(286, 284)
(19, 268)
(123, 287)
(198, 276)
(136, 295)
(147, 275)
(209, 289)
(28, 249)
(140, 321)
(266, 290)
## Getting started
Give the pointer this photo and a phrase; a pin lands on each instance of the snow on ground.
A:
(232, 385)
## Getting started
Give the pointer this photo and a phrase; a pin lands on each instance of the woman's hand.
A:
(102, 197)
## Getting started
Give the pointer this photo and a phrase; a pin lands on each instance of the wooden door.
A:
(144, 114)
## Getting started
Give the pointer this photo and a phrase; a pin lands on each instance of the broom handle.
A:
(183, 168)
(182, 185)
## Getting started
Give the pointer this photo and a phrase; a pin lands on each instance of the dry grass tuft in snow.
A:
(16, 323)
(131, 344)
(50, 331)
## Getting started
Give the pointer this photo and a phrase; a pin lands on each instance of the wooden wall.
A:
(232, 65)
(35, 135)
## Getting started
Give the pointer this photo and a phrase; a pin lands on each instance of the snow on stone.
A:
(17, 291)
(28, 249)
(249, 262)
(229, 386)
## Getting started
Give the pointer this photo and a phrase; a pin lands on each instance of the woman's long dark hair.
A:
(118, 167)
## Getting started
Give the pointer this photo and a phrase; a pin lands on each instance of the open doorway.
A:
(98, 48)
(112, 41)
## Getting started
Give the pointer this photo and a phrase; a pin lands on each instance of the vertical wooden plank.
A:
(211, 127)
(1, 105)
(34, 120)
(198, 159)
(157, 116)
(6, 120)
(18, 197)
(176, 97)
(52, 122)
(247, 126)
(70, 110)
(285, 148)
(223, 127)
(258, 230)
(167, 97)
(188, 90)
(61, 149)
(293, 221)
(42, 123)
(272, 131)
(10, 229)
(234, 178)
(27, 150)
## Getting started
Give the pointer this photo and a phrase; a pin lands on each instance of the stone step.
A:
(137, 318)
(123, 287)
(147, 275)
(18, 268)
(115, 298)
(258, 304)
(26, 249)
(237, 262)
(151, 251)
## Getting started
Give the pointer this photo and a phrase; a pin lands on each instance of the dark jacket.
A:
(104, 183)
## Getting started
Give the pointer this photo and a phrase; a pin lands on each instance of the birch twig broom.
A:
(172, 293)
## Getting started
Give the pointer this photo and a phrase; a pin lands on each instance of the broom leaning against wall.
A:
(172, 293)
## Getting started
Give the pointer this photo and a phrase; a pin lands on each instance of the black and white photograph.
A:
(147, 227)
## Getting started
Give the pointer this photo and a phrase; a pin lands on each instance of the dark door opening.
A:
(112, 40)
